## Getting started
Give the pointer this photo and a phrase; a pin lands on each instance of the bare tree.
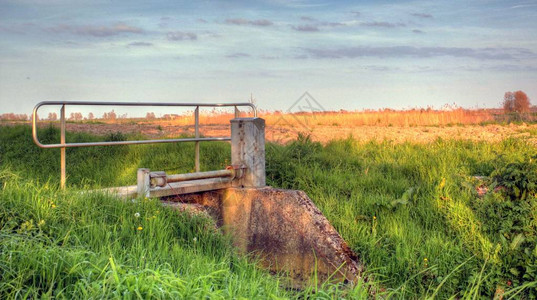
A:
(91, 116)
(150, 116)
(52, 116)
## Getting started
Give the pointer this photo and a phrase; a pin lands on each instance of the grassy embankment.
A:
(411, 212)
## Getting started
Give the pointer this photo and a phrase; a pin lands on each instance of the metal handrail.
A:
(63, 145)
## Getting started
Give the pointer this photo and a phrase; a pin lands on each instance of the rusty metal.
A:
(63, 144)
(162, 179)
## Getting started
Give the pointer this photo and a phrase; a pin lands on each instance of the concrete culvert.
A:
(284, 229)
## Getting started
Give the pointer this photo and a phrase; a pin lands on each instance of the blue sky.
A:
(347, 54)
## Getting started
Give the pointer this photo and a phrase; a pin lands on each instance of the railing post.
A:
(143, 184)
(197, 143)
(237, 112)
(248, 150)
(62, 150)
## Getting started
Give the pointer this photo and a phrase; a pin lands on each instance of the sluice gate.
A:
(282, 228)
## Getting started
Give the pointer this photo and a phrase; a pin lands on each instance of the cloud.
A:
(421, 52)
(382, 24)
(355, 13)
(18, 29)
(417, 31)
(331, 24)
(380, 68)
(314, 27)
(510, 68)
(238, 55)
(422, 15)
(306, 28)
(181, 36)
(96, 31)
(523, 6)
(260, 22)
(200, 20)
(308, 19)
(270, 57)
(140, 44)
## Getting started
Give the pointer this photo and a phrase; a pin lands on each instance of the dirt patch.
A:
(323, 133)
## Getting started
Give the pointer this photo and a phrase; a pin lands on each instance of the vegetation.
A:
(417, 215)
(517, 107)
(516, 102)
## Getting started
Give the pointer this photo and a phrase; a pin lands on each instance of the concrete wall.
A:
(284, 229)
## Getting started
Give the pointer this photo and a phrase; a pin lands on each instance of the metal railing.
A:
(63, 145)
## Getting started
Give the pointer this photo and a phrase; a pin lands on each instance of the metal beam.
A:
(62, 150)
(197, 135)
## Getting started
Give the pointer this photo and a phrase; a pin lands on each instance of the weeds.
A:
(411, 212)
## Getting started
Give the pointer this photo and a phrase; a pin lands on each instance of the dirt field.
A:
(323, 133)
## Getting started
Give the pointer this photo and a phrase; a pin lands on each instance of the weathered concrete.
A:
(248, 150)
(284, 229)
(125, 192)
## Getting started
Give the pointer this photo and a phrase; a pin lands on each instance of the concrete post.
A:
(143, 182)
(248, 149)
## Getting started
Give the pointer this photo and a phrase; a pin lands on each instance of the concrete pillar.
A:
(248, 149)
(143, 182)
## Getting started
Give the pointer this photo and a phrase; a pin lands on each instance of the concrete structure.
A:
(247, 167)
(283, 228)
(248, 150)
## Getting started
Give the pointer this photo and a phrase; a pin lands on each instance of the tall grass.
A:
(73, 245)
(410, 211)
(383, 117)
(67, 245)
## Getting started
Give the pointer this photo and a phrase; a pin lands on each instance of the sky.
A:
(349, 55)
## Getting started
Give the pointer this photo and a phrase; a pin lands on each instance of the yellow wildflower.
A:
(140, 228)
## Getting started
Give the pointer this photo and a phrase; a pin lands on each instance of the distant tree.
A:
(15, 117)
(110, 115)
(91, 116)
(75, 116)
(516, 102)
(150, 116)
(52, 116)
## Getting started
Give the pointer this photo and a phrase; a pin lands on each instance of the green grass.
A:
(71, 246)
(410, 211)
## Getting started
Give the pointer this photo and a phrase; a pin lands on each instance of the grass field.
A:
(416, 214)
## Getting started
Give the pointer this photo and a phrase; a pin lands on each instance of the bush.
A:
(508, 214)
